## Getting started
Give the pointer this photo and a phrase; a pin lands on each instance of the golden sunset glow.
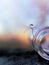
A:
(20, 36)
(23, 36)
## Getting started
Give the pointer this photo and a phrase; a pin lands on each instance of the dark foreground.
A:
(22, 58)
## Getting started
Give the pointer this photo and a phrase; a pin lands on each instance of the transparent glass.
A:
(41, 41)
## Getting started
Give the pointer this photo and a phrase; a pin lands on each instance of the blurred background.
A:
(17, 13)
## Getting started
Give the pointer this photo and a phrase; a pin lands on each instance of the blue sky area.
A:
(16, 13)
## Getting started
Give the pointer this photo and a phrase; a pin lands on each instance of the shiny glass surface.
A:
(41, 41)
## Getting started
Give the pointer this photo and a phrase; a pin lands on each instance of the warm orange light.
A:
(20, 36)
(23, 36)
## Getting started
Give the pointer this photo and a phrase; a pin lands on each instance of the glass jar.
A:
(40, 39)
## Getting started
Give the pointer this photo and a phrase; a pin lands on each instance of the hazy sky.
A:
(14, 13)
